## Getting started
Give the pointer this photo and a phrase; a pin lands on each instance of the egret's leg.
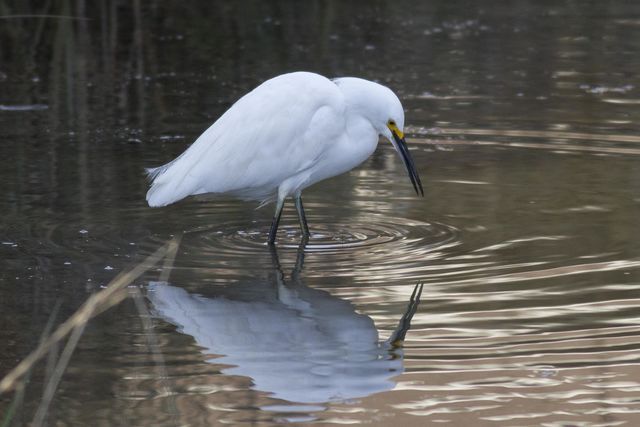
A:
(297, 270)
(275, 263)
(301, 216)
(276, 221)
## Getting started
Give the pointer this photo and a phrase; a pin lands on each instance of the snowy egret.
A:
(287, 134)
(300, 344)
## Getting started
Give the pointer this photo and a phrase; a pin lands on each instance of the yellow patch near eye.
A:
(394, 128)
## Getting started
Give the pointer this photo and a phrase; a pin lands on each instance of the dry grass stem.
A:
(113, 294)
(20, 387)
(153, 344)
(169, 259)
(53, 382)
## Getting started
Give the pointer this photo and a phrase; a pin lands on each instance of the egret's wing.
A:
(256, 144)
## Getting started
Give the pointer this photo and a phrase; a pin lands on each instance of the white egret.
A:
(287, 134)
(299, 343)
(304, 345)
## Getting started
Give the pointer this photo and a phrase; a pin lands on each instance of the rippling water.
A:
(524, 127)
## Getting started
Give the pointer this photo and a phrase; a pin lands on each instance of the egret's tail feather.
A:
(163, 191)
(152, 173)
(155, 198)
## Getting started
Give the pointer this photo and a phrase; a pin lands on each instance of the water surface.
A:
(523, 123)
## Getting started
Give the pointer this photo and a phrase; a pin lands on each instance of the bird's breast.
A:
(359, 142)
(352, 148)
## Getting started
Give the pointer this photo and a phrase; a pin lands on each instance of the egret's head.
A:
(382, 108)
(390, 124)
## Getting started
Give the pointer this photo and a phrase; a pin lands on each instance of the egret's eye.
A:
(392, 123)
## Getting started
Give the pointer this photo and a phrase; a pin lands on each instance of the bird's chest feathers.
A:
(360, 142)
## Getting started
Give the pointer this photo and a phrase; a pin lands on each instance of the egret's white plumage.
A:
(299, 343)
(287, 134)
(306, 346)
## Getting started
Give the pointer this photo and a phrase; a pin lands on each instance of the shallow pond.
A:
(523, 122)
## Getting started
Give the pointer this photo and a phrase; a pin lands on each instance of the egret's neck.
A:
(368, 100)
(362, 139)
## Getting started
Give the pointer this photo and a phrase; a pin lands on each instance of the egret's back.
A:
(253, 147)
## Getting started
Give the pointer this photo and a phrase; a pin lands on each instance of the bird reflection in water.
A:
(299, 344)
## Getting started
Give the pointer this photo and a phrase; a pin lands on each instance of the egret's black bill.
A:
(401, 146)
